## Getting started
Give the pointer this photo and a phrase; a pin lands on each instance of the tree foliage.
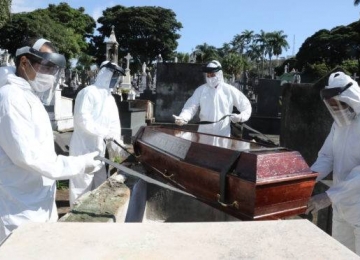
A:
(144, 32)
(4, 11)
(68, 33)
(331, 47)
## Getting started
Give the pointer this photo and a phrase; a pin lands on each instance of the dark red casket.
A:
(244, 179)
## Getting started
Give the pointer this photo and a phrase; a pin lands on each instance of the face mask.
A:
(212, 82)
(344, 116)
(41, 82)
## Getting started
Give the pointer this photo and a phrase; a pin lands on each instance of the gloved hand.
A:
(91, 164)
(179, 120)
(235, 118)
(109, 138)
(317, 202)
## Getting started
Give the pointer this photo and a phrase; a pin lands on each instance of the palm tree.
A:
(255, 54)
(261, 40)
(276, 41)
(206, 52)
(356, 2)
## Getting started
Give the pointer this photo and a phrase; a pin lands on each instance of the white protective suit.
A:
(214, 103)
(29, 165)
(340, 154)
(96, 118)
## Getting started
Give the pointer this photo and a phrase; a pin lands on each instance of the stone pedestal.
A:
(132, 117)
(289, 239)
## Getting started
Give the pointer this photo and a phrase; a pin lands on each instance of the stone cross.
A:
(128, 57)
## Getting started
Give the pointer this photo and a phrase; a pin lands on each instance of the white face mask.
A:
(212, 82)
(343, 117)
(41, 82)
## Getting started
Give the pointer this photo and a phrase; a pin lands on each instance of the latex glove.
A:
(318, 202)
(109, 138)
(91, 165)
(179, 120)
(235, 118)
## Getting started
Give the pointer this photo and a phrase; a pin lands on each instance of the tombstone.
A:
(127, 81)
(176, 82)
(266, 113)
(132, 116)
(143, 84)
(112, 47)
(61, 112)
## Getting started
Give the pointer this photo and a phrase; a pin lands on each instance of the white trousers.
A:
(346, 233)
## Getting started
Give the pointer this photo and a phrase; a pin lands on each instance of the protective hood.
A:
(109, 76)
(347, 89)
(213, 67)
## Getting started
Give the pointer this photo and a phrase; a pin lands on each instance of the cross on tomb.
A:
(128, 57)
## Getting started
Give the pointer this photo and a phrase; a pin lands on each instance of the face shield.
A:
(109, 76)
(342, 113)
(48, 68)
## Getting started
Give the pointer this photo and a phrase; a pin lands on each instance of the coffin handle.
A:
(235, 204)
(166, 175)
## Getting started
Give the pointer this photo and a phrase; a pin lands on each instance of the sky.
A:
(217, 22)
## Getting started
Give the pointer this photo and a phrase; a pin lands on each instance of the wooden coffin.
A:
(244, 179)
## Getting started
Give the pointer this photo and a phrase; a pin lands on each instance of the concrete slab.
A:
(282, 239)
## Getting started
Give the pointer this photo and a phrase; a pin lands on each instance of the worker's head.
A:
(213, 73)
(41, 66)
(109, 76)
(342, 98)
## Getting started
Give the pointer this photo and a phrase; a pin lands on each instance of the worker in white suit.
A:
(215, 99)
(29, 166)
(340, 154)
(96, 121)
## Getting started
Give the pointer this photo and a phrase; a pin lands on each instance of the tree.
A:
(144, 32)
(276, 41)
(67, 33)
(183, 57)
(4, 11)
(356, 2)
(232, 64)
(205, 53)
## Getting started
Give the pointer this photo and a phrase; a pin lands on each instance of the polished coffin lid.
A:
(256, 162)
(245, 179)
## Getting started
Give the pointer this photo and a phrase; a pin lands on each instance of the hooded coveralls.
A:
(214, 103)
(340, 154)
(96, 118)
(29, 165)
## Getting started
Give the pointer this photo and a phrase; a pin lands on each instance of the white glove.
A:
(91, 165)
(179, 120)
(109, 138)
(318, 202)
(235, 118)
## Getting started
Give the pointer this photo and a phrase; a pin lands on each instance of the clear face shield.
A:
(116, 79)
(47, 80)
(342, 113)
(48, 68)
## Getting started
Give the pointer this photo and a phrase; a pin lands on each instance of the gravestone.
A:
(132, 116)
(266, 112)
(176, 82)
